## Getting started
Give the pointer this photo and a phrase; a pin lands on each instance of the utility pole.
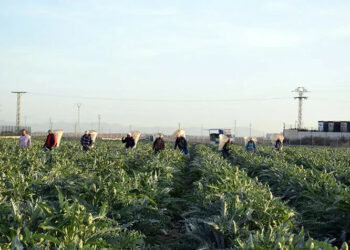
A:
(301, 91)
(235, 131)
(78, 124)
(99, 123)
(18, 115)
(179, 125)
(250, 130)
(202, 139)
(51, 124)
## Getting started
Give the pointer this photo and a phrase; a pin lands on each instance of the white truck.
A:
(215, 132)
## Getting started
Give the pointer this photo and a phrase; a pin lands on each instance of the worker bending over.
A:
(181, 143)
(129, 141)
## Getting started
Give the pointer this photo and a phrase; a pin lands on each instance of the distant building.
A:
(333, 133)
(334, 126)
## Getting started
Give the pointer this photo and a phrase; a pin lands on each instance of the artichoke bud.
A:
(80, 244)
(237, 199)
(345, 246)
(90, 219)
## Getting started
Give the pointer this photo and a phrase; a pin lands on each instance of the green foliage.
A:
(109, 197)
(322, 201)
(114, 198)
(234, 211)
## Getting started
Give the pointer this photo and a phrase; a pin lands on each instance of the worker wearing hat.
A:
(86, 141)
(51, 141)
(129, 141)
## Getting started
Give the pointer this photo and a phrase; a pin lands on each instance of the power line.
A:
(162, 100)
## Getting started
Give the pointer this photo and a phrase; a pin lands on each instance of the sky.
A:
(157, 63)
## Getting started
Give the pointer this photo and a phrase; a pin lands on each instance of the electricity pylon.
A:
(78, 123)
(301, 91)
(18, 115)
(99, 123)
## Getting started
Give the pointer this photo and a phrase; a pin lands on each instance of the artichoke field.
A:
(115, 198)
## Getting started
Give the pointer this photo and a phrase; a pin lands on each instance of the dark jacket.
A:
(86, 141)
(158, 144)
(51, 141)
(129, 142)
(181, 143)
(225, 148)
(278, 145)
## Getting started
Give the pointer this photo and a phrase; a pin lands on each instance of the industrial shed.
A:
(329, 133)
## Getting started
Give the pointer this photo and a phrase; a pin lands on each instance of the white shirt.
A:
(24, 141)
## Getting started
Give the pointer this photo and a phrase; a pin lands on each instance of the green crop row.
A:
(109, 197)
(332, 160)
(321, 200)
(232, 210)
(115, 198)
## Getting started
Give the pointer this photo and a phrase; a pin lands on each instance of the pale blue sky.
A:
(171, 51)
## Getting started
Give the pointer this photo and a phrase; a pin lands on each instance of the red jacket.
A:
(51, 141)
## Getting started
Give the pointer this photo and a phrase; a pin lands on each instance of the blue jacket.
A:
(250, 147)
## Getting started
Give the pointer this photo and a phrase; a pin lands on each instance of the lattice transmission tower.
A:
(18, 114)
(301, 91)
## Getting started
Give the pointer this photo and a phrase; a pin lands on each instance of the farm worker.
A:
(129, 141)
(278, 145)
(225, 152)
(24, 139)
(86, 141)
(51, 141)
(181, 143)
(158, 144)
(251, 146)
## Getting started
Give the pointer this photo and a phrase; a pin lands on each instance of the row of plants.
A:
(331, 160)
(115, 198)
(230, 210)
(109, 197)
(321, 200)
